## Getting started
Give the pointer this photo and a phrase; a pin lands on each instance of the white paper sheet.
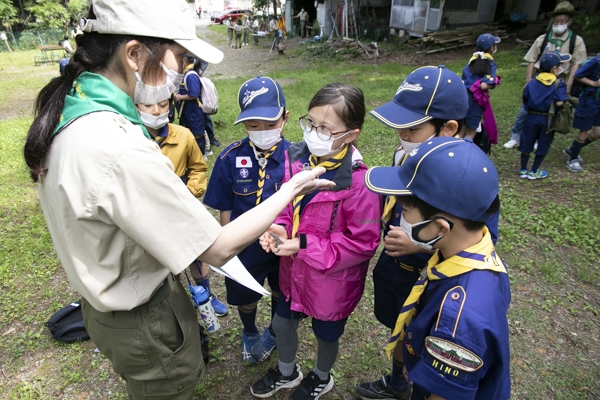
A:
(234, 269)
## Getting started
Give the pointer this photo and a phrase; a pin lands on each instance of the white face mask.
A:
(413, 236)
(264, 140)
(320, 147)
(146, 94)
(172, 76)
(154, 121)
(559, 29)
(408, 147)
(560, 71)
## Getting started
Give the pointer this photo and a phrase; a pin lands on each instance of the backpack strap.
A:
(544, 43)
(191, 71)
(552, 110)
(572, 43)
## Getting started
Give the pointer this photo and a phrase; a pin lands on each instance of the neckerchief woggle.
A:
(93, 93)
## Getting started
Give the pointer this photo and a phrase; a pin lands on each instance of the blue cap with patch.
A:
(450, 174)
(552, 59)
(260, 98)
(425, 94)
(487, 40)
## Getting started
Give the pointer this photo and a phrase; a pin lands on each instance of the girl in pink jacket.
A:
(325, 241)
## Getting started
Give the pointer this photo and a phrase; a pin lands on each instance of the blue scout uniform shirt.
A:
(470, 78)
(457, 344)
(234, 182)
(192, 115)
(538, 96)
(591, 70)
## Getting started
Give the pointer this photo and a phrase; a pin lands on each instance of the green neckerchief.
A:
(547, 78)
(559, 43)
(92, 93)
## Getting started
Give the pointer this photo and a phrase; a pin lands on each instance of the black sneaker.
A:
(380, 390)
(312, 387)
(274, 381)
(215, 142)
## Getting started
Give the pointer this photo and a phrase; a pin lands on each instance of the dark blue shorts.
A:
(392, 283)
(534, 128)
(473, 117)
(587, 113)
(328, 331)
(239, 295)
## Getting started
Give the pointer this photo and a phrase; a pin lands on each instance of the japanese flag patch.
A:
(243, 162)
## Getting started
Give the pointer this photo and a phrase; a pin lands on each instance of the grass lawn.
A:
(549, 238)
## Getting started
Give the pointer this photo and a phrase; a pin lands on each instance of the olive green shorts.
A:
(155, 347)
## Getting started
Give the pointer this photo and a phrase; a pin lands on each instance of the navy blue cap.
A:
(260, 98)
(450, 174)
(426, 93)
(552, 59)
(487, 40)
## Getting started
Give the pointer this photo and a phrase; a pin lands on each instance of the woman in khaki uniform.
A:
(112, 201)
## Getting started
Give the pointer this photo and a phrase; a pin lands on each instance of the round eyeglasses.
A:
(322, 132)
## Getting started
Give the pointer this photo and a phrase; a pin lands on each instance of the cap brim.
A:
(551, 14)
(201, 49)
(385, 180)
(565, 57)
(395, 116)
(262, 113)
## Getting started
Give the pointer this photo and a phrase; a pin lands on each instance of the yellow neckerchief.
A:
(390, 202)
(262, 154)
(329, 164)
(547, 78)
(481, 256)
(481, 54)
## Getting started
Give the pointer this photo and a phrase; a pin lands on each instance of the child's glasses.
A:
(322, 132)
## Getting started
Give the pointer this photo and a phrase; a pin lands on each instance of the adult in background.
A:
(123, 224)
(230, 28)
(561, 39)
(303, 15)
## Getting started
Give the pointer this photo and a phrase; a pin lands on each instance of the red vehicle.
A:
(234, 14)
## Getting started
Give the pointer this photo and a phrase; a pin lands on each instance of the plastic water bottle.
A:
(202, 301)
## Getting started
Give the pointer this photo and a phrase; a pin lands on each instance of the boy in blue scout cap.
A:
(432, 101)
(538, 96)
(452, 328)
(481, 67)
(246, 173)
(587, 114)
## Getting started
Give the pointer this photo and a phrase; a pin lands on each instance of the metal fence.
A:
(32, 39)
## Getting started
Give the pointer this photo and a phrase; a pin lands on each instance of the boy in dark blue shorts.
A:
(452, 329)
(587, 114)
(246, 173)
(538, 96)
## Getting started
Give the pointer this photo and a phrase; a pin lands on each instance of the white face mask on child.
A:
(154, 121)
(408, 147)
(413, 236)
(320, 147)
(264, 140)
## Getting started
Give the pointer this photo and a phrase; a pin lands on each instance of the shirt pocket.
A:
(245, 189)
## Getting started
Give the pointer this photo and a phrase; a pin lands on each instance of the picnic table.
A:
(263, 40)
(50, 53)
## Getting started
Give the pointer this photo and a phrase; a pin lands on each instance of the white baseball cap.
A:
(166, 19)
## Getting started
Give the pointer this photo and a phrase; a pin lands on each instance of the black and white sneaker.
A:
(274, 381)
(380, 390)
(312, 387)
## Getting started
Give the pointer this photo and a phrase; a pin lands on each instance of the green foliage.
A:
(8, 13)
(589, 31)
(52, 14)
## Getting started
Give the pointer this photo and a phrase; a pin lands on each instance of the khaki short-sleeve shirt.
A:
(121, 220)
(578, 57)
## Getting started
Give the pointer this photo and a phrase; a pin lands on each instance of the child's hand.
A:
(288, 247)
(272, 237)
(397, 243)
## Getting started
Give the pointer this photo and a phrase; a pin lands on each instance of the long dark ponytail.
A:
(480, 66)
(95, 52)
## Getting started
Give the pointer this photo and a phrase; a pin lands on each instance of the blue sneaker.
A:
(265, 345)
(220, 308)
(523, 173)
(248, 341)
(539, 174)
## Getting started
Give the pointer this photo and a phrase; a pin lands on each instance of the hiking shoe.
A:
(567, 151)
(523, 173)
(512, 143)
(220, 308)
(574, 166)
(380, 390)
(274, 381)
(312, 387)
(248, 340)
(265, 345)
(539, 174)
(215, 142)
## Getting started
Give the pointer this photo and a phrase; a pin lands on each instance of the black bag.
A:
(482, 140)
(66, 325)
(203, 344)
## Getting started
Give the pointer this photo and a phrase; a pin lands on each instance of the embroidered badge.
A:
(413, 87)
(414, 152)
(250, 95)
(452, 355)
(243, 162)
(410, 349)
(244, 173)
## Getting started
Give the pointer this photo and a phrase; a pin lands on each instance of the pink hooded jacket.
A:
(326, 279)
